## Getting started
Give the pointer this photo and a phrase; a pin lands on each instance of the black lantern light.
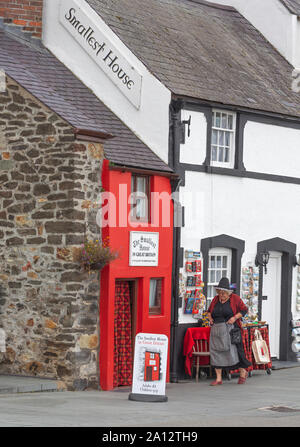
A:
(297, 261)
(262, 259)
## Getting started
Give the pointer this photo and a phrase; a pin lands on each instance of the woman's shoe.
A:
(216, 383)
(242, 379)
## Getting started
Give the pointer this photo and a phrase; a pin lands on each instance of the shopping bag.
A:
(260, 349)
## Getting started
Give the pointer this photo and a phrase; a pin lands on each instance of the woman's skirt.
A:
(223, 354)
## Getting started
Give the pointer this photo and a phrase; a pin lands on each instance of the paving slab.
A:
(21, 384)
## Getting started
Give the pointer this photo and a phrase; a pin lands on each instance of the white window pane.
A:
(140, 208)
(141, 184)
(224, 262)
(221, 154)
(214, 138)
(214, 152)
(224, 121)
(227, 139)
(218, 119)
(219, 262)
(221, 138)
(141, 205)
(212, 276)
(230, 122)
(212, 262)
(152, 294)
(226, 158)
(218, 275)
(224, 273)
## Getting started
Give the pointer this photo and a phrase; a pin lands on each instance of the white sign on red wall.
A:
(99, 47)
(143, 249)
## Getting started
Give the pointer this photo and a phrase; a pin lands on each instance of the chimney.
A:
(25, 15)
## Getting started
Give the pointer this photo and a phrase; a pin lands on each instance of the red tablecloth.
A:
(192, 334)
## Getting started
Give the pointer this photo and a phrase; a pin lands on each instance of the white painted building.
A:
(214, 100)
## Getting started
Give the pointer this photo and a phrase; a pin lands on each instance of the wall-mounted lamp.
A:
(262, 259)
(183, 124)
(296, 261)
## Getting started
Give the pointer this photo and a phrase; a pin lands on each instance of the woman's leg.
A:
(219, 375)
(243, 372)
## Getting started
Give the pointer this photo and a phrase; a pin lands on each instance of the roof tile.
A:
(205, 52)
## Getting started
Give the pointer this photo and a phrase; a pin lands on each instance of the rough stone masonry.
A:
(49, 186)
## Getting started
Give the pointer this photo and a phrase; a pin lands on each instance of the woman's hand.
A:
(231, 320)
(211, 321)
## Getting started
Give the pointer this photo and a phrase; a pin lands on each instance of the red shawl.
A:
(236, 304)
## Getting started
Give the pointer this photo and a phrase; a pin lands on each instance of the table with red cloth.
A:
(192, 334)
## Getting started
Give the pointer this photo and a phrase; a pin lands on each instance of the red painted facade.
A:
(152, 366)
(120, 269)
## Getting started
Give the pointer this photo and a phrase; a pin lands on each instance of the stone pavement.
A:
(17, 384)
(264, 401)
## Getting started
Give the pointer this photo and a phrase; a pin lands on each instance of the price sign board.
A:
(150, 368)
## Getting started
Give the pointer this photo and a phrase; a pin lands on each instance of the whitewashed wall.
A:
(274, 21)
(151, 121)
(248, 209)
(272, 149)
(194, 149)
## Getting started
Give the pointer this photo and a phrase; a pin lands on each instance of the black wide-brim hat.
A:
(224, 285)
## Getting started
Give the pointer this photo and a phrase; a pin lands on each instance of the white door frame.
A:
(271, 309)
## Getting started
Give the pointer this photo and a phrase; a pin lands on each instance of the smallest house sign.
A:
(143, 249)
(97, 45)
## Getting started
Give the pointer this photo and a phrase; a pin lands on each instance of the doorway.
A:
(276, 285)
(124, 330)
(271, 301)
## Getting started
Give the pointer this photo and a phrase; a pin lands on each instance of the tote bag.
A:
(260, 349)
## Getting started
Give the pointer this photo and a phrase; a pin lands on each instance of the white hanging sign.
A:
(94, 41)
(143, 249)
(150, 368)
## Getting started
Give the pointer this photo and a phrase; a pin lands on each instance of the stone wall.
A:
(49, 185)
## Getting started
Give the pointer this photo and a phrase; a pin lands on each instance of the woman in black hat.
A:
(225, 313)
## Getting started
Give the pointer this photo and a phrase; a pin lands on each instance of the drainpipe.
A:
(174, 144)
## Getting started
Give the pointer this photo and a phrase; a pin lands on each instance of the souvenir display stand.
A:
(194, 298)
(192, 285)
(264, 330)
(296, 335)
(248, 337)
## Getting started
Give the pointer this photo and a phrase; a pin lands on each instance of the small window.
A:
(219, 265)
(155, 296)
(223, 139)
(140, 198)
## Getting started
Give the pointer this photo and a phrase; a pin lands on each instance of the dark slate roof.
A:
(204, 51)
(293, 6)
(46, 78)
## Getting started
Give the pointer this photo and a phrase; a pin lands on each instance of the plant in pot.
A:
(95, 254)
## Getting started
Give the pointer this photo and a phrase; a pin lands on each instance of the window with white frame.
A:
(223, 139)
(219, 266)
(140, 193)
